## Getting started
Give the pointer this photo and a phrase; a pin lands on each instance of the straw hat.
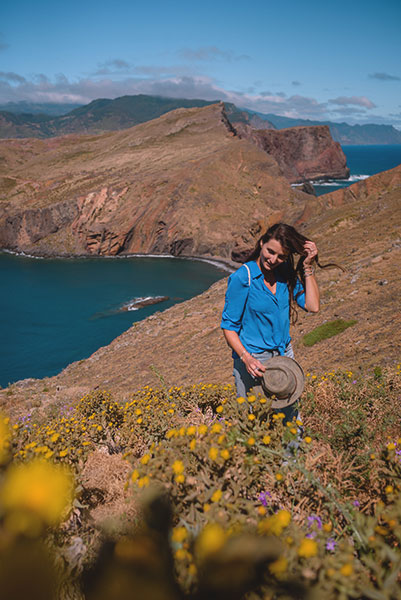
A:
(283, 381)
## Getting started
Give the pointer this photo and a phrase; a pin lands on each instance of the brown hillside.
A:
(360, 229)
(180, 184)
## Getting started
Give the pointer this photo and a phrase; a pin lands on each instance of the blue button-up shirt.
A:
(261, 318)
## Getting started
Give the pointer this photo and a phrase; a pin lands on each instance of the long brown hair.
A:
(292, 242)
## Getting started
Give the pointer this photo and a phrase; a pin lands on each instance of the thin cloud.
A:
(109, 67)
(384, 77)
(210, 53)
(296, 83)
(350, 110)
(10, 76)
(353, 100)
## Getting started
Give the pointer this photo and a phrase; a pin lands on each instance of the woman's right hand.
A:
(253, 365)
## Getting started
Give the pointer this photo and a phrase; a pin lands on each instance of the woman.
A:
(260, 302)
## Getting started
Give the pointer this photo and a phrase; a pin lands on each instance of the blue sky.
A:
(339, 60)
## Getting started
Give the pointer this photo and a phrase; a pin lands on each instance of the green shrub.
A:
(327, 330)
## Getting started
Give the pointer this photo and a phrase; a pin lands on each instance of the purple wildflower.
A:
(315, 519)
(356, 503)
(263, 498)
(331, 544)
(311, 535)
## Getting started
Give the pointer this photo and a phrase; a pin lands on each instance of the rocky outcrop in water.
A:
(303, 153)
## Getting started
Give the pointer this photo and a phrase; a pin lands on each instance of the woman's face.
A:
(272, 254)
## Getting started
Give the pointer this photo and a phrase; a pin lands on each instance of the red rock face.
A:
(303, 153)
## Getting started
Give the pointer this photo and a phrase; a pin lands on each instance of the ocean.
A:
(57, 311)
(363, 161)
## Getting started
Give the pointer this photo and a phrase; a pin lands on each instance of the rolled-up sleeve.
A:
(299, 294)
(236, 297)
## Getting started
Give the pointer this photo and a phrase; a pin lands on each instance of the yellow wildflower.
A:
(308, 439)
(251, 417)
(210, 541)
(389, 489)
(251, 441)
(276, 523)
(213, 453)
(202, 429)
(240, 400)
(279, 476)
(54, 437)
(381, 530)
(178, 467)
(279, 566)
(225, 454)
(63, 453)
(266, 439)
(179, 478)
(192, 444)
(347, 570)
(216, 428)
(39, 489)
(191, 430)
(251, 399)
(181, 554)
(145, 459)
(179, 534)
(143, 481)
(307, 548)
(219, 409)
(216, 496)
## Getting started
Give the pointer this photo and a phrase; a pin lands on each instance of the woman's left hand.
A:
(311, 252)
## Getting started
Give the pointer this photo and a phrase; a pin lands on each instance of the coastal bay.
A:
(57, 311)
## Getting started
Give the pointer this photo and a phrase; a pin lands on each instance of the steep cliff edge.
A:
(183, 184)
(303, 153)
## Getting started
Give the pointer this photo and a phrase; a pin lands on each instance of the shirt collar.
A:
(254, 269)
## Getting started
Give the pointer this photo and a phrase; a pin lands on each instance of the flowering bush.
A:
(313, 505)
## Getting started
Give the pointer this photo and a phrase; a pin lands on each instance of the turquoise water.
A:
(56, 311)
(363, 161)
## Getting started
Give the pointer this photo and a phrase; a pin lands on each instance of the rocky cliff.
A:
(183, 184)
(303, 153)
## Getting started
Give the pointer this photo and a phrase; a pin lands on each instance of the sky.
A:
(338, 61)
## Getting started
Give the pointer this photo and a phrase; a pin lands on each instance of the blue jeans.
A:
(244, 381)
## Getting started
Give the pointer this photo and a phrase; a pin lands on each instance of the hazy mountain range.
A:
(23, 119)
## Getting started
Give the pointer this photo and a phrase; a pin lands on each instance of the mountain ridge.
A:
(119, 113)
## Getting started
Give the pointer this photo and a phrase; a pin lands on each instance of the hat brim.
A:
(288, 363)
